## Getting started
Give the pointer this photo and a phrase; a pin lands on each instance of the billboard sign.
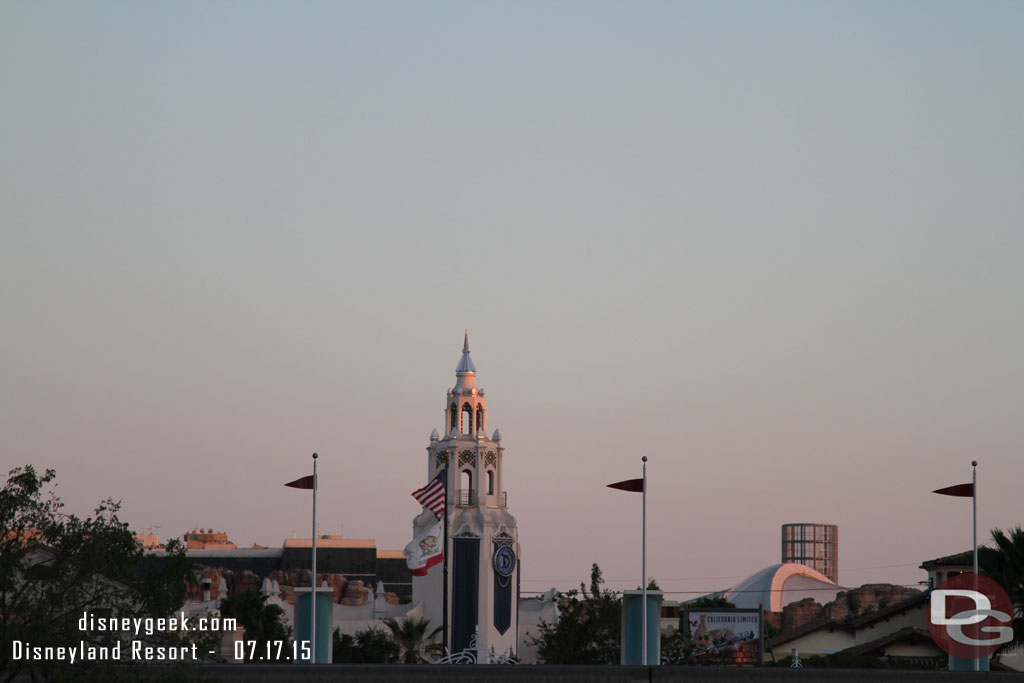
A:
(724, 635)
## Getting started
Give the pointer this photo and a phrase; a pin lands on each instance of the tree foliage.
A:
(588, 626)
(673, 647)
(706, 602)
(262, 622)
(55, 567)
(369, 646)
(1005, 565)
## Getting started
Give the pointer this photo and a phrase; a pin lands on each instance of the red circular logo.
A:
(969, 616)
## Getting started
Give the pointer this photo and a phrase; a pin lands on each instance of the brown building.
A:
(207, 539)
(356, 559)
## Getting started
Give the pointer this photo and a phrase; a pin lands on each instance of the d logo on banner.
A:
(965, 622)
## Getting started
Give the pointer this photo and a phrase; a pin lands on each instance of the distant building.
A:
(812, 545)
(358, 559)
(942, 568)
(148, 541)
(207, 539)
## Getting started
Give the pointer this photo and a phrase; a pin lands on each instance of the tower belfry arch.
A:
(483, 538)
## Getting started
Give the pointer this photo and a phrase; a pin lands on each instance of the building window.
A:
(467, 419)
(490, 483)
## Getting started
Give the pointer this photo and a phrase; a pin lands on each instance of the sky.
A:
(775, 247)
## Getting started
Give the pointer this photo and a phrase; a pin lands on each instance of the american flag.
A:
(431, 496)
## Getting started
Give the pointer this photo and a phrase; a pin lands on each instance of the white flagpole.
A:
(974, 501)
(974, 495)
(643, 564)
(312, 594)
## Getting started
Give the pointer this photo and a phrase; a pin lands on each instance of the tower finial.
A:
(466, 362)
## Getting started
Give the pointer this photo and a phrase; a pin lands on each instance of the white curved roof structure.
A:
(780, 584)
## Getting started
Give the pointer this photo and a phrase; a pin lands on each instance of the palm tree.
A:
(411, 635)
(1005, 565)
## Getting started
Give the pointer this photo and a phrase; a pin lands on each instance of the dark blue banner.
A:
(465, 589)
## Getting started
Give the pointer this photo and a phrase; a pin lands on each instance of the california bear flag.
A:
(424, 551)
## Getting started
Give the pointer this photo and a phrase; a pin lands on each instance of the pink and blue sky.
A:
(776, 247)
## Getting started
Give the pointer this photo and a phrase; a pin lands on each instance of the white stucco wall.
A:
(820, 642)
(916, 617)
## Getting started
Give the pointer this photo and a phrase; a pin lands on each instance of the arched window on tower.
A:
(490, 482)
(466, 487)
(453, 412)
(479, 417)
(467, 418)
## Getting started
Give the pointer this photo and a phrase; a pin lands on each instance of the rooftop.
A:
(964, 559)
(331, 542)
(780, 584)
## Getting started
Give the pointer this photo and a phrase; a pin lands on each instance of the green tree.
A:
(588, 626)
(262, 622)
(56, 567)
(413, 639)
(673, 646)
(369, 646)
(706, 602)
(1004, 564)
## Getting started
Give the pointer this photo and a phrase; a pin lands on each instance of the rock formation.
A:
(848, 605)
(345, 592)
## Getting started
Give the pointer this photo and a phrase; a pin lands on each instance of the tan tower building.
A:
(483, 541)
(813, 545)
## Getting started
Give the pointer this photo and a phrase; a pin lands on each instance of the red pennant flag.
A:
(962, 490)
(635, 485)
(305, 482)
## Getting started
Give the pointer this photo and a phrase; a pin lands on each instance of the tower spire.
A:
(465, 366)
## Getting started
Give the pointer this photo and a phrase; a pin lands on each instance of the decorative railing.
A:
(471, 655)
(468, 498)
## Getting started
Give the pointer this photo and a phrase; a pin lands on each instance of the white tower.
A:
(483, 542)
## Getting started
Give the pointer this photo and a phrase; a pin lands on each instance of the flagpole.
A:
(444, 559)
(974, 544)
(312, 594)
(640, 486)
(643, 564)
(974, 498)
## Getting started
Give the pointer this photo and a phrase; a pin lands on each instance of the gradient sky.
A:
(774, 246)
